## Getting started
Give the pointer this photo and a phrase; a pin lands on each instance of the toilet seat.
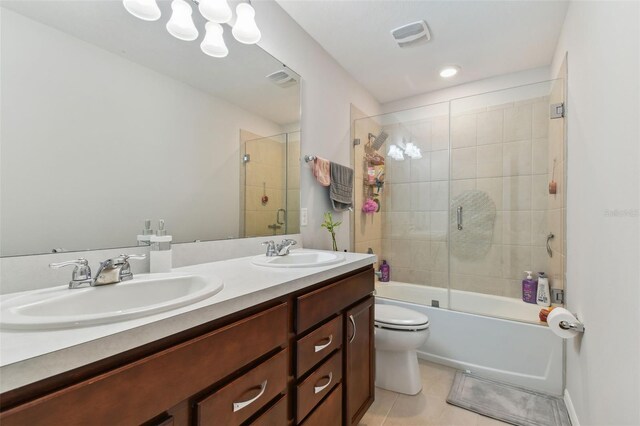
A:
(393, 317)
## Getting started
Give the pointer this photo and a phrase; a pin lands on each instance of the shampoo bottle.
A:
(529, 288)
(160, 253)
(385, 272)
(544, 298)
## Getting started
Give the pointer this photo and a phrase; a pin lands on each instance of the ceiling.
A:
(239, 78)
(485, 38)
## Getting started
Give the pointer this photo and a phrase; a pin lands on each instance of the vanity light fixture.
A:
(181, 24)
(213, 43)
(449, 71)
(217, 12)
(245, 30)
(147, 10)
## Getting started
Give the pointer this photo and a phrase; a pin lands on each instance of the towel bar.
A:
(308, 158)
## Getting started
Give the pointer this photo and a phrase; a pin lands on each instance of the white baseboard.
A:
(573, 416)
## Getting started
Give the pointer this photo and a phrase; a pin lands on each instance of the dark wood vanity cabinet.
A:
(305, 358)
(349, 304)
(359, 355)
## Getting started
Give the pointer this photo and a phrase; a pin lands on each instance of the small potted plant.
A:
(331, 227)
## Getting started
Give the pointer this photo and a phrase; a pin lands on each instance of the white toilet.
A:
(398, 333)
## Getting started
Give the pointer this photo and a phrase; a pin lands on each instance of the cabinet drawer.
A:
(318, 385)
(329, 412)
(136, 392)
(274, 416)
(316, 306)
(240, 399)
(314, 347)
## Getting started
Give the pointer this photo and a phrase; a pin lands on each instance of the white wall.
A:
(327, 92)
(84, 130)
(602, 40)
(499, 82)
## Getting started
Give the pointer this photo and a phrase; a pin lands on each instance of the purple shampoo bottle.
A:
(385, 273)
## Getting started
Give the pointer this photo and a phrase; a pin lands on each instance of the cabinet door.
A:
(359, 361)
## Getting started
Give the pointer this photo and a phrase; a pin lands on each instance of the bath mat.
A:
(507, 403)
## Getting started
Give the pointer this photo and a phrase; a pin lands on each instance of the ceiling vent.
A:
(282, 78)
(411, 34)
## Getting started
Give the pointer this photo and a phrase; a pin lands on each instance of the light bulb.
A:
(413, 151)
(147, 10)
(181, 24)
(245, 29)
(395, 153)
(449, 71)
(217, 11)
(213, 43)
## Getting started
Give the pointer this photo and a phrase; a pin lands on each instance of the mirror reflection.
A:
(108, 120)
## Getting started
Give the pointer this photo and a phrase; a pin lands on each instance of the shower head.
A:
(378, 140)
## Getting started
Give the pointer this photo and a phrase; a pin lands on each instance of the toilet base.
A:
(398, 371)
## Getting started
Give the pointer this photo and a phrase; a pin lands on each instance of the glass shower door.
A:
(505, 153)
(265, 186)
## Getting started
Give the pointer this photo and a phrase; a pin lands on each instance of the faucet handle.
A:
(289, 241)
(81, 273)
(125, 257)
(271, 248)
(123, 261)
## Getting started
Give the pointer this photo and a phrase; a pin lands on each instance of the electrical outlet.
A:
(304, 216)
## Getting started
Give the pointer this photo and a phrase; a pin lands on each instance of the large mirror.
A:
(108, 120)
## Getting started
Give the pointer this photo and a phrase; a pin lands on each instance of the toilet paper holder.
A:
(577, 326)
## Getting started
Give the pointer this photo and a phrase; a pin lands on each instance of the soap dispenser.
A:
(160, 253)
(144, 239)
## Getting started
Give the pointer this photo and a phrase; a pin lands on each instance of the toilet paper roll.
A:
(556, 317)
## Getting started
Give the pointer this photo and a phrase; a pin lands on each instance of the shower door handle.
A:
(284, 216)
(459, 214)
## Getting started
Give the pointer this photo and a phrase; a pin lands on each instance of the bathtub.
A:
(522, 351)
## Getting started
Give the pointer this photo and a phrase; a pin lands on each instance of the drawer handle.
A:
(237, 406)
(318, 389)
(318, 348)
(353, 323)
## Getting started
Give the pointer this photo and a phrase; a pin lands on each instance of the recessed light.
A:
(449, 71)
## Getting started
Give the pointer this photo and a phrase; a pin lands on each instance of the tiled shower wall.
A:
(415, 205)
(501, 150)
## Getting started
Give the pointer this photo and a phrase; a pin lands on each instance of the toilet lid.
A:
(399, 318)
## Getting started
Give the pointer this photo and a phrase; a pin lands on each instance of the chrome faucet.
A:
(111, 271)
(281, 249)
(115, 270)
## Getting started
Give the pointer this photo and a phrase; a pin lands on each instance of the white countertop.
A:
(29, 356)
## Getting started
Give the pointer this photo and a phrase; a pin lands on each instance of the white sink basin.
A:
(299, 259)
(146, 294)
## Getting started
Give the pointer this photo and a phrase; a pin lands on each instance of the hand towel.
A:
(321, 171)
(341, 188)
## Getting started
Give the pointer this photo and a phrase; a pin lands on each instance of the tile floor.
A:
(428, 408)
